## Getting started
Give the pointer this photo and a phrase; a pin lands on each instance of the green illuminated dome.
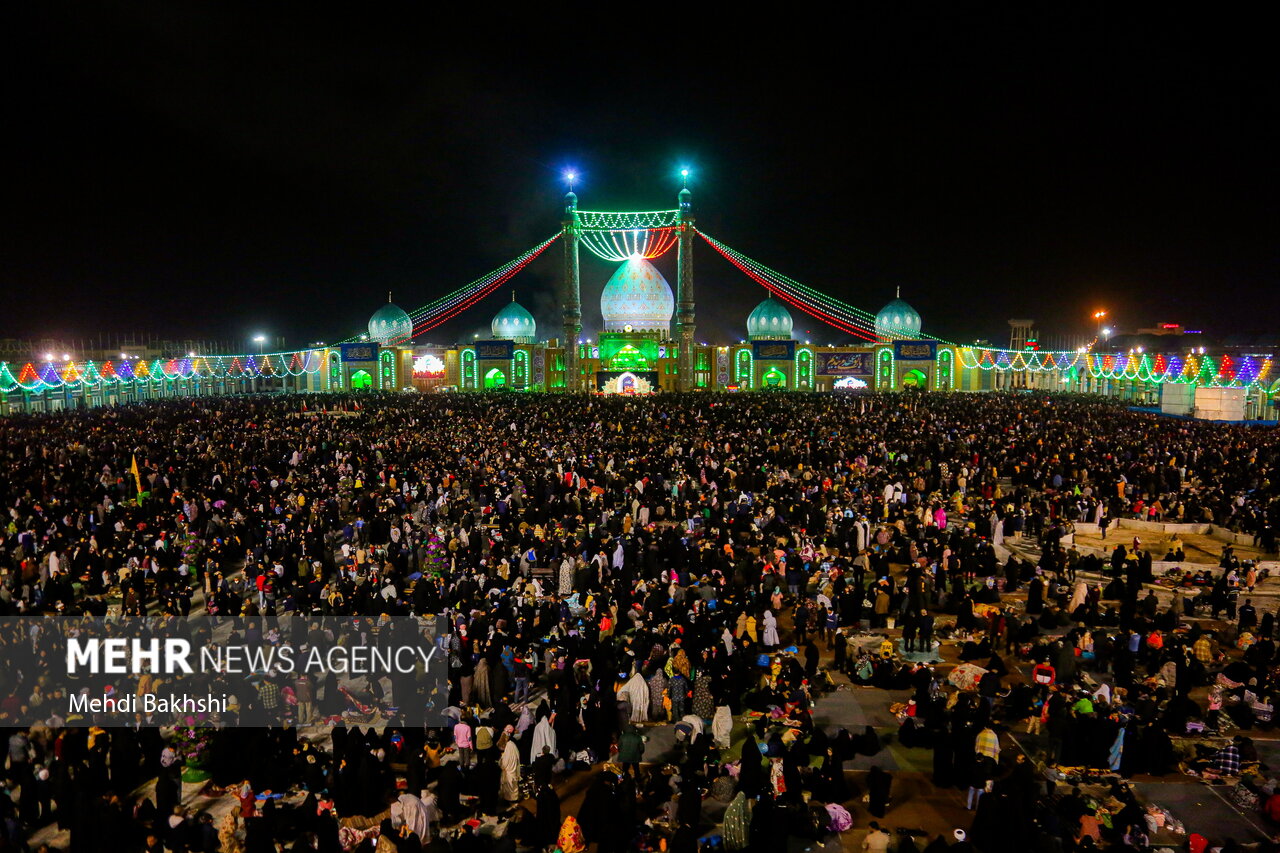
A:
(637, 296)
(390, 325)
(770, 319)
(898, 320)
(514, 323)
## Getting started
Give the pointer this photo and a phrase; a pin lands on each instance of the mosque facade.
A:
(636, 352)
(647, 342)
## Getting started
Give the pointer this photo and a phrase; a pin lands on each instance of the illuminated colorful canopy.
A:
(637, 298)
(621, 245)
(595, 220)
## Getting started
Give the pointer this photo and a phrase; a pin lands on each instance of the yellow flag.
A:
(137, 476)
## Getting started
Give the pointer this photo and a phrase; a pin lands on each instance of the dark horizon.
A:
(184, 173)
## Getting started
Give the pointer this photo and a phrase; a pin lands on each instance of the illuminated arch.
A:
(469, 368)
(744, 369)
(884, 368)
(387, 371)
(495, 378)
(944, 374)
(804, 369)
(520, 369)
(335, 371)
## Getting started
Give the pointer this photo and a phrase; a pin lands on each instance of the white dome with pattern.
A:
(637, 296)
(514, 323)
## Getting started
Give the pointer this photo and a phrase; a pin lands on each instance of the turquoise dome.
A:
(514, 323)
(770, 319)
(898, 320)
(637, 295)
(390, 325)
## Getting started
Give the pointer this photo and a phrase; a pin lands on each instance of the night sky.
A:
(199, 172)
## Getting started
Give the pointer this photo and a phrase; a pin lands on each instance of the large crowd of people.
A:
(642, 602)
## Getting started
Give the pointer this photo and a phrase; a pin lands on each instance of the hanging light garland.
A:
(622, 245)
(73, 375)
(1246, 372)
(451, 304)
(619, 237)
(980, 358)
(845, 318)
(596, 220)
(448, 307)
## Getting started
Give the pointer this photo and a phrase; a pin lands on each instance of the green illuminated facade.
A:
(647, 342)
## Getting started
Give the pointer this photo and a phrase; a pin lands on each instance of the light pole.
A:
(1097, 318)
(260, 340)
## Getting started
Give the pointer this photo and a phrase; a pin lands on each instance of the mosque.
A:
(636, 353)
(647, 343)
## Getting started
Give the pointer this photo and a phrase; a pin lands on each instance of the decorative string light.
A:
(622, 245)
(451, 304)
(1035, 361)
(618, 237)
(596, 220)
(73, 375)
(1247, 372)
(791, 292)
(87, 374)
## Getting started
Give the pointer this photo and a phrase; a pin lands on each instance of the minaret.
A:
(685, 314)
(1020, 334)
(572, 292)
